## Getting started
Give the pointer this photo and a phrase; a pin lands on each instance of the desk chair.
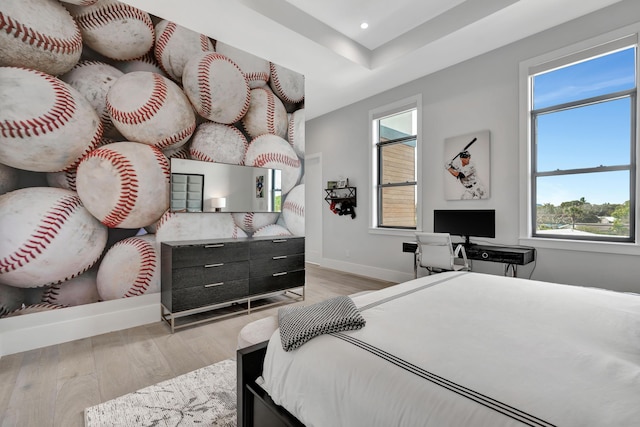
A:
(435, 253)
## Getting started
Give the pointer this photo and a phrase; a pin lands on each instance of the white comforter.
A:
(469, 349)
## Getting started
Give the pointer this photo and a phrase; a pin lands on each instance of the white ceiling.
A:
(342, 64)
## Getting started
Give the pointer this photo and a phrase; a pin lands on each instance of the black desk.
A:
(510, 256)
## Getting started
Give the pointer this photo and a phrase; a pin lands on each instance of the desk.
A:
(510, 256)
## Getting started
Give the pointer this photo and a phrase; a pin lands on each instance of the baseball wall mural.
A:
(96, 98)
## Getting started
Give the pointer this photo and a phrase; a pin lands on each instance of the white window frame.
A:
(413, 102)
(558, 58)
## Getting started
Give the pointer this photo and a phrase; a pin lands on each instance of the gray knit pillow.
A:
(299, 324)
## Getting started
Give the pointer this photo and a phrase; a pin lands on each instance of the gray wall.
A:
(481, 93)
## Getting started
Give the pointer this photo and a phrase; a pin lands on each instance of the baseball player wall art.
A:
(465, 180)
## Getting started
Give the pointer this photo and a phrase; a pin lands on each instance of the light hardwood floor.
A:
(51, 386)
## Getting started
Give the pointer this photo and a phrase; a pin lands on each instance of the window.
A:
(582, 121)
(395, 177)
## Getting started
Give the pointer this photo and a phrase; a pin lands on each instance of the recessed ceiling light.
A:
(364, 25)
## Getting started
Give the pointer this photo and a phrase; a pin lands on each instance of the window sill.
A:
(581, 246)
(393, 232)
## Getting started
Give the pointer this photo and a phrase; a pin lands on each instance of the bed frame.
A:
(255, 407)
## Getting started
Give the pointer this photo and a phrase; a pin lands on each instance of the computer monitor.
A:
(465, 222)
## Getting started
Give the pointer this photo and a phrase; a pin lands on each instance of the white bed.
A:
(469, 349)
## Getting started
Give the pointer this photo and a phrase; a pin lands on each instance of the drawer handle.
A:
(280, 257)
(217, 245)
(279, 274)
(212, 285)
(214, 265)
(279, 241)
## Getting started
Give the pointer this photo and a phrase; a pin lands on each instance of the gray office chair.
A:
(435, 253)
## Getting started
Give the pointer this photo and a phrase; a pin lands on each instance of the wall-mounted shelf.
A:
(339, 195)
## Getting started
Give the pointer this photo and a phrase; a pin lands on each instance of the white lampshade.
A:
(217, 203)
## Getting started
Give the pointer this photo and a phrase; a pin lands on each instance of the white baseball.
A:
(46, 125)
(293, 210)
(196, 226)
(11, 298)
(272, 230)
(266, 114)
(77, 291)
(148, 108)
(146, 62)
(93, 79)
(271, 151)
(9, 178)
(216, 87)
(114, 29)
(131, 267)
(124, 184)
(215, 142)
(48, 237)
(296, 132)
(252, 221)
(175, 45)
(38, 34)
(287, 84)
(255, 69)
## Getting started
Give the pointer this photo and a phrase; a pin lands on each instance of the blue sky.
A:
(585, 137)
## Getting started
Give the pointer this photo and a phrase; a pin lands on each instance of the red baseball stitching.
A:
(257, 76)
(70, 176)
(164, 219)
(60, 113)
(112, 12)
(248, 220)
(294, 207)
(34, 38)
(129, 185)
(290, 131)
(199, 155)
(176, 137)
(147, 265)
(162, 41)
(148, 110)
(271, 111)
(204, 43)
(44, 233)
(263, 159)
(163, 162)
(51, 294)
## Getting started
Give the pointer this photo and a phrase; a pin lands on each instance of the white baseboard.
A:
(36, 330)
(366, 270)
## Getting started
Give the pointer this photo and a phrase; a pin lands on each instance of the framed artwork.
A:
(467, 166)
(260, 187)
(342, 183)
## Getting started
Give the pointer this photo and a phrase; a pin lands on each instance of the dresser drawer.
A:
(187, 256)
(263, 285)
(276, 264)
(277, 246)
(203, 295)
(209, 273)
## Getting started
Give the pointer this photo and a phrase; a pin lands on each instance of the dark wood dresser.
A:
(204, 280)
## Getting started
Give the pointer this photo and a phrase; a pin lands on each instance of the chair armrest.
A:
(460, 250)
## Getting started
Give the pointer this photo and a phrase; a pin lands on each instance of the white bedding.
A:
(469, 349)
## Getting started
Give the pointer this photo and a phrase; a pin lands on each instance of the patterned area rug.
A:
(204, 397)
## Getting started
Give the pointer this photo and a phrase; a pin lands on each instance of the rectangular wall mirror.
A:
(198, 186)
